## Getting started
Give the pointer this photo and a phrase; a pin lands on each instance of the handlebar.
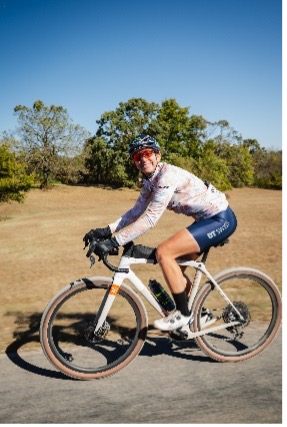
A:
(109, 265)
(113, 267)
(93, 249)
(130, 250)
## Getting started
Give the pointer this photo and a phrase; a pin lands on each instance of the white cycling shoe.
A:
(173, 321)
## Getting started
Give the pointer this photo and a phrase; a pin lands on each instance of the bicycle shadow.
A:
(164, 345)
(27, 332)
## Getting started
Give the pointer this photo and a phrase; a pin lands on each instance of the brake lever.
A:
(91, 249)
(92, 261)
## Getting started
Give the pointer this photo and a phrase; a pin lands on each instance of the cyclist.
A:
(166, 186)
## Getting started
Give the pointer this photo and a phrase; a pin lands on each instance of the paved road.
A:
(160, 386)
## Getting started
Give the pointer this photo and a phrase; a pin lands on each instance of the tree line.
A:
(47, 147)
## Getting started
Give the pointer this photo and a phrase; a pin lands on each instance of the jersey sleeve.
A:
(157, 204)
(134, 213)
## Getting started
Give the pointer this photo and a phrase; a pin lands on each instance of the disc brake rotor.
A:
(94, 337)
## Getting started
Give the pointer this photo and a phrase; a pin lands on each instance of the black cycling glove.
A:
(98, 233)
(104, 247)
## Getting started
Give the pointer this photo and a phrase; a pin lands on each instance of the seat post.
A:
(205, 255)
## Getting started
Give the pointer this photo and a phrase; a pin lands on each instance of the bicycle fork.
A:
(108, 300)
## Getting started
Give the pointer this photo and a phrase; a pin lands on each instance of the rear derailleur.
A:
(230, 315)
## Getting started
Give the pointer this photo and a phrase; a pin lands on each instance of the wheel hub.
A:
(93, 336)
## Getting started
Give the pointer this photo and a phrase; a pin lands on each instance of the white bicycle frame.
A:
(119, 277)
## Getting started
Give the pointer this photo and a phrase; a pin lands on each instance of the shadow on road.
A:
(27, 332)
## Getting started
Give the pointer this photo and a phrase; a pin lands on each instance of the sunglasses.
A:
(137, 157)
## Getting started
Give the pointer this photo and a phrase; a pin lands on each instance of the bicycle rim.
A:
(257, 299)
(67, 330)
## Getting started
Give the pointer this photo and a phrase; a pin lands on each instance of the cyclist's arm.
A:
(134, 213)
(156, 207)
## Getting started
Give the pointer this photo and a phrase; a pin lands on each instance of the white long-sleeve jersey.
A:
(173, 188)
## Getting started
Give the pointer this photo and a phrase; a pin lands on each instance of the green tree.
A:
(14, 180)
(106, 165)
(210, 167)
(70, 170)
(197, 135)
(108, 161)
(268, 169)
(239, 162)
(252, 145)
(178, 132)
(129, 119)
(47, 134)
(267, 165)
(172, 133)
(212, 150)
(222, 132)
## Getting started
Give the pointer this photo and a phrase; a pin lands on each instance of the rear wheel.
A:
(257, 299)
(68, 324)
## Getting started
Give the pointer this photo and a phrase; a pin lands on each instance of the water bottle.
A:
(161, 296)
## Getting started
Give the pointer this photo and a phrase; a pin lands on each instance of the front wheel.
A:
(68, 324)
(255, 297)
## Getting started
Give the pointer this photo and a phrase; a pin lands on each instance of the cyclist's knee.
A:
(161, 253)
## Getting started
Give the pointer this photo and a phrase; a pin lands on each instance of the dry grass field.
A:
(42, 250)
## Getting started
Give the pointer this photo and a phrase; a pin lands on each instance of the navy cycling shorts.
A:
(211, 231)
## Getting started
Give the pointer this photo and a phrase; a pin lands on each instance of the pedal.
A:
(181, 334)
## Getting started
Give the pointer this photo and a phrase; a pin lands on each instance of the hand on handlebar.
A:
(104, 247)
(97, 233)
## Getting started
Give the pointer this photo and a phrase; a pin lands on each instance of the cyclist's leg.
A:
(180, 244)
(192, 241)
(176, 246)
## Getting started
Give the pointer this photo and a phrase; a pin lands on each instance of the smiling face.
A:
(146, 160)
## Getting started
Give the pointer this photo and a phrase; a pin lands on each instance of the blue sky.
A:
(220, 58)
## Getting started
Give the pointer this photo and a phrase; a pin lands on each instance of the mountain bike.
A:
(96, 326)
